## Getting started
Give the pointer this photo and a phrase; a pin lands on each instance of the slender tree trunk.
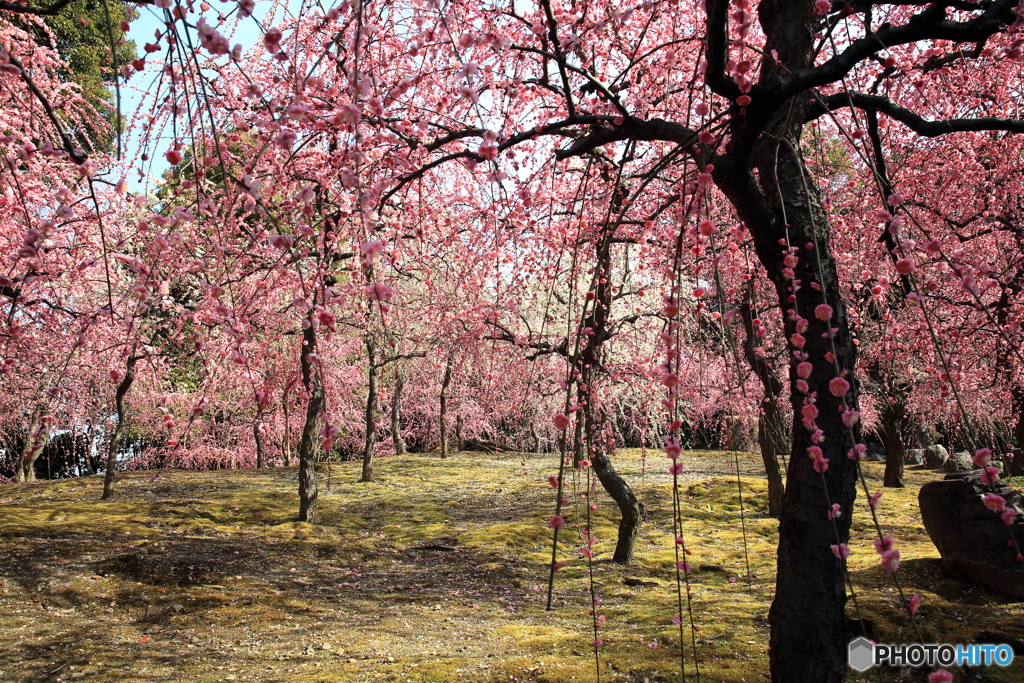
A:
(396, 413)
(309, 443)
(892, 437)
(90, 466)
(286, 440)
(630, 509)
(261, 452)
(458, 433)
(370, 443)
(444, 407)
(115, 440)
(31, 448)
(769, 423)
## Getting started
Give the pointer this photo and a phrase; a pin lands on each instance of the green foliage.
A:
(81, 35)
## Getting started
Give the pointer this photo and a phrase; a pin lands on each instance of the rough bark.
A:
(443, 418)
(115, 439)
(770, 416)
(1018, 409)
(891, 433)
(807, 616)
(31, 447)
(309, 444)
(396, 414)
(370, 441)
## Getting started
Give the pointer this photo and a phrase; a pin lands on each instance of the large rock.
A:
(971, 538)
(876, 452)
(935, 456)
(960, 461)
(915, 456)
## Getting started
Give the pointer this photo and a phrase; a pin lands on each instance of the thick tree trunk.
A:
(630, 509)
(781, 206)
(31, 447)
(769, 423)
(892, 437)
(261, 451)
(396, 414)
(443, 418)
(115, 440)
(309, 443)
(370, 442)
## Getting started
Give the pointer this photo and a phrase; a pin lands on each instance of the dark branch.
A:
(911, 119)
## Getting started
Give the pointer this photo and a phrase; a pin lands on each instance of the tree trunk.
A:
(370, 443)
(780, 206)
(286, 440)
(892, 437)
(396, 414)
(444, 407)
(257, 435)
(31, 447)
(769, 422)
(115, 439)
(630, 510)
(309, 444)
(1017, 392)
(458, 433)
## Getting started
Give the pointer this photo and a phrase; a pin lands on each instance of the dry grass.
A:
(433, 573)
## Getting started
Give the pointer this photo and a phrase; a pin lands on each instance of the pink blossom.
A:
(990, 475)
(379, 292)
(891, 560)
(905, 266)
(822, 7)
(173, 157)
(1009, 516)
(835, 511)
(553, 480)
(993, 502)
(676, 468)
(814, 452)
(801, 386)
(556, 522)
(820, 465)
(875, 500)
(804, 370)
(940, 676)
(914, 603)
(558, 565)
(797, 340)
(883, 544)
(838, 386)
(851, 417)
(683, 566)
(706, 228)
(272, 40)
(672, 447)
(561, 421)
(809, 411)
(982, 457)
(841, 551)
(823, 312)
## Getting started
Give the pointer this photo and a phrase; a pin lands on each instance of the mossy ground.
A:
(435, 572)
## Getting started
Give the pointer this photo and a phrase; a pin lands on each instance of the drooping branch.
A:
(718, 48)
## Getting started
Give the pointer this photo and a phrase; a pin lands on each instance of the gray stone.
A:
(915, 456)
(960, 461)
(971, 538)
(875, 452)
(935, 456)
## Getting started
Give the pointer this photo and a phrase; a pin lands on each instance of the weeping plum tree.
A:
(347, 125)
